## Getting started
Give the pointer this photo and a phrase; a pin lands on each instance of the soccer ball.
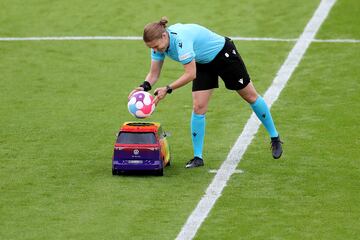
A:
(141, 104)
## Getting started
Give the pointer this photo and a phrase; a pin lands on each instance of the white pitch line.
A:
(70, 38)
(137, 38)
(337, 40)
(294, 40)
(235, 171)
(263, 39)
(213, 192)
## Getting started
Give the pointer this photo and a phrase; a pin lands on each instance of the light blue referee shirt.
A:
(191, 41)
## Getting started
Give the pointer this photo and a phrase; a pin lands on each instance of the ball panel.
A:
(147, 109)
(132, 100)
(147, 100)
(139, 104)
(140, 114)
(132, 109)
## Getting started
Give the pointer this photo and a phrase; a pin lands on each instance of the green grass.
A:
(58, 120)
(343, 21)
(313, 192)
(61, 103)
(262, 18)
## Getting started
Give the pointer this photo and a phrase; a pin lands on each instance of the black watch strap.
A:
(169, 89)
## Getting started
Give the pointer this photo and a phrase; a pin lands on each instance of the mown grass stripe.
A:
(137, 38)
(213, 192)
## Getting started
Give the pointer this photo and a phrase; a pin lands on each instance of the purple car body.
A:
(140, 147)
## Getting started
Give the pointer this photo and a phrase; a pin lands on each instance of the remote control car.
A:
(140, 147)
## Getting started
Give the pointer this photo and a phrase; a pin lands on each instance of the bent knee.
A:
(200, 108)
(248, 93)
(251, 98)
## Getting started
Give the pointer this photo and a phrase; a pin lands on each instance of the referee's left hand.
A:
(160, 94)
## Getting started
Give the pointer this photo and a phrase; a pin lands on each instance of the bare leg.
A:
(201, 100)
(248, 93)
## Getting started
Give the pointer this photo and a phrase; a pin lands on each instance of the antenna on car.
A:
(139, 124)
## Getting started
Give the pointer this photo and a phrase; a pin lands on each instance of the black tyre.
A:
(159, 172)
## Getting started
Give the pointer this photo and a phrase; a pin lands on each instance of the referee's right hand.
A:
(134, 91)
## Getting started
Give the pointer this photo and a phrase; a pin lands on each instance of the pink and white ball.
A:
(141, 104)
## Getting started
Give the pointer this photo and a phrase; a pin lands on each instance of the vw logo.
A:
(136, 152)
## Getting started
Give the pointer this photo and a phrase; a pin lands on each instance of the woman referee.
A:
(205, 56)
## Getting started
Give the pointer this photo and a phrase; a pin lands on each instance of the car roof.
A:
(140, 127)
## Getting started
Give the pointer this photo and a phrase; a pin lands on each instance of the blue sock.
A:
(197, 133)
(263, 113)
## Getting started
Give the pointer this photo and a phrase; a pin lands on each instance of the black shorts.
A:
(228, 65)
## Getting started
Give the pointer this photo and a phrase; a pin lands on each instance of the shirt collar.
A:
(171, 39)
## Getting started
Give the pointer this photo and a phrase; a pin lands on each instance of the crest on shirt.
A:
(180, 44)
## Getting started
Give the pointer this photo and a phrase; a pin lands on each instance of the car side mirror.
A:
(166, 134)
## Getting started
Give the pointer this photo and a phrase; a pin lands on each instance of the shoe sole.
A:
(194, 166)
(278, 156)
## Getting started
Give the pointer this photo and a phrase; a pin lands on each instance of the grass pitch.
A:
(61, 103)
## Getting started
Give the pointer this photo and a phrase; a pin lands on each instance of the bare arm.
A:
(154, 73)
(152, 76)
(188, 75)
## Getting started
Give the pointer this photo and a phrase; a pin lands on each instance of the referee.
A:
(205, 56)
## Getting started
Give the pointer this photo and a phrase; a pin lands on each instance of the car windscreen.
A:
(136, 138)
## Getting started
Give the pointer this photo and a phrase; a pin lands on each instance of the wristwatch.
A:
(168, 89)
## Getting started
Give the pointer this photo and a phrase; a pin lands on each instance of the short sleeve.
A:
(157, 56)
(185, 50)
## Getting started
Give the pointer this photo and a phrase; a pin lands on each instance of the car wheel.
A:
(159, 172)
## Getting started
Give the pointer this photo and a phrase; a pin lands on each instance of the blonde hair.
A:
(154, 30)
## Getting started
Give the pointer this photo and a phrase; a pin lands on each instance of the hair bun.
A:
(163, 21)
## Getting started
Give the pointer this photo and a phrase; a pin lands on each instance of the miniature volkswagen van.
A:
(141, 146)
